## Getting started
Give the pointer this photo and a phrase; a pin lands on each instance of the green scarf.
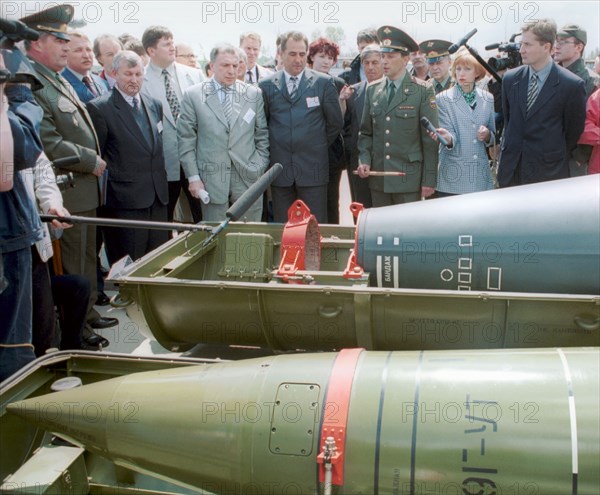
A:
(470, 96)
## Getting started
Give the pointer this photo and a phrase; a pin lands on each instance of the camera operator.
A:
(20, 226)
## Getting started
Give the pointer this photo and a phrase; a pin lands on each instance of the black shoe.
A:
(102, 322)
(94, 342)
(102, 299)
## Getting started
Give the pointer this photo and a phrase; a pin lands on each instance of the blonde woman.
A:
(466, 119)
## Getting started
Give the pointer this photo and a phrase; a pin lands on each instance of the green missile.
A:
(431, 422)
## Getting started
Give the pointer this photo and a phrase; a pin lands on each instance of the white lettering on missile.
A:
(379, 240)
(396, 272)
(379, 270)
(494, 278)
(446, 275)
(465, 240)
(387, 268)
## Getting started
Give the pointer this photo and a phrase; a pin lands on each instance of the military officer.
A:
(391, 136)
(67, 130)
(438, 57)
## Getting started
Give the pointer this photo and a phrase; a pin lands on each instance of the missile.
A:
(447, 422)
(536, 238)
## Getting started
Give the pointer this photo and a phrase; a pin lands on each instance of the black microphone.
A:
(429, 126)
(466, 38)
(493, 46)
(18, 30)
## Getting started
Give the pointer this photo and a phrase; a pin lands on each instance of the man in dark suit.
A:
(370, 59)
(66, 131)
(78, 70)
(356, 72)
(129, 127)
(544, 112)
(304, 116)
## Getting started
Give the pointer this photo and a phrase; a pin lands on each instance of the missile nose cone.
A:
(79, 415)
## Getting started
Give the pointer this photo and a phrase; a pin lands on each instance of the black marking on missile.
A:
(413, 446)
(384, 375)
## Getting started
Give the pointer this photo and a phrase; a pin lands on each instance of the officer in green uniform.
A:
(391, 137)
(438, 57)
(570, 45)
(66, 131)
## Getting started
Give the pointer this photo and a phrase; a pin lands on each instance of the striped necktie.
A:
(250, 78)
(227, 104)
(172, 99)
(532, 92)
(293, 88)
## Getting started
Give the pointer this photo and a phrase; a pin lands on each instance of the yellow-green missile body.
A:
(432, 422)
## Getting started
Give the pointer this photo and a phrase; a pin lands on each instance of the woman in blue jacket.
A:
(466, 119)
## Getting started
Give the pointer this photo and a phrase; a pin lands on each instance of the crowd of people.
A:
(153, 130)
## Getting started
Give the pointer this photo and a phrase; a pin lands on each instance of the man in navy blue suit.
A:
(80, 60)
(129, 127)
(544, 112)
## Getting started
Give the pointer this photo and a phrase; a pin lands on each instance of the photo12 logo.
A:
(253, 12)
(87, 12)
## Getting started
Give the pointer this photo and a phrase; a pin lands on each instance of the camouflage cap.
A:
(53, 20)
(396, 40)
(573, 30)
(435, 50)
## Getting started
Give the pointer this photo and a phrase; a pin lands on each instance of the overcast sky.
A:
(205, 23)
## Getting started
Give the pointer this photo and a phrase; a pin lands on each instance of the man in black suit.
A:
(304, 116)
(356, 72)
(129, 128)
(544, 112)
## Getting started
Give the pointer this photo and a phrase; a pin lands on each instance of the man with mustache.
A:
(129, 127)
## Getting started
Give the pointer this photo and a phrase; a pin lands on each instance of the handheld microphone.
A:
(429, 126)
(466, 38)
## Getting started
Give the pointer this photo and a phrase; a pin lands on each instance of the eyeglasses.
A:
(566, 42)
(190, 55)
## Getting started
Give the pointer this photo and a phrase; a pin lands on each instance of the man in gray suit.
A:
(305, 117)
(223, 137)
(166, 81)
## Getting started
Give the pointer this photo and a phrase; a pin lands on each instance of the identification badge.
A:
(250, 114)
(159, 127)
(312, 101)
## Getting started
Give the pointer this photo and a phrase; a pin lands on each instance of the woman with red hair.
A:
(322, 56)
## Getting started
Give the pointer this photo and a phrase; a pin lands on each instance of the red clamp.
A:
(353, 269)
(300, 242)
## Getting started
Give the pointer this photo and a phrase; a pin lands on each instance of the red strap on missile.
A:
(337, 404)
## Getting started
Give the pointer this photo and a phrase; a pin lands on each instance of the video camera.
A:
(18, 68)
(511, 54)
